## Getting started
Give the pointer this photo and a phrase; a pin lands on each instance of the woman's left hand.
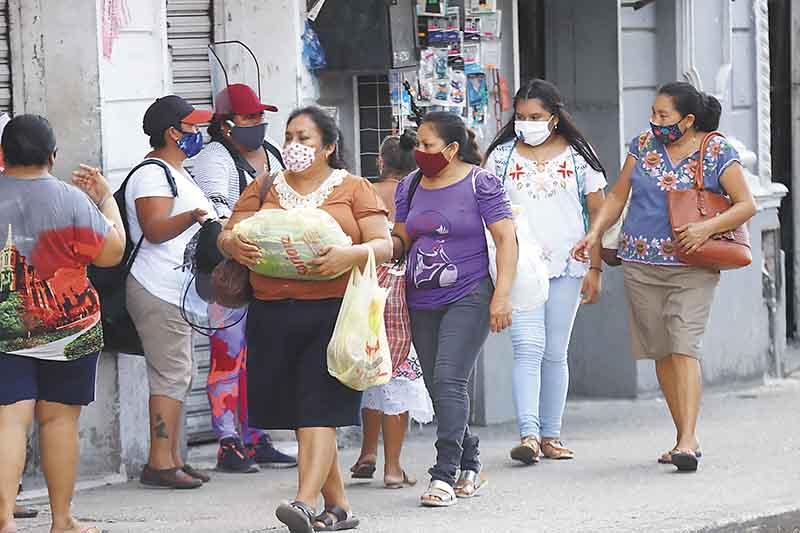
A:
(500, 313)
(592, 286)
(692, 236)
(336, 260)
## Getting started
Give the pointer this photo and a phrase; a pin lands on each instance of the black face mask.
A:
(251, 137)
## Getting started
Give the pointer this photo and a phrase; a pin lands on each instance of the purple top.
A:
(448, 255)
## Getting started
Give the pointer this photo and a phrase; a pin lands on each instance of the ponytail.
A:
(689, 101)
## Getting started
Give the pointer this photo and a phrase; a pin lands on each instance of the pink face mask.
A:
(298, 157)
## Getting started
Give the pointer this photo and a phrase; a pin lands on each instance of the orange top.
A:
(349, 202)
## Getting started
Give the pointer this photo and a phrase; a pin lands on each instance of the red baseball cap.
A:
(240, 99)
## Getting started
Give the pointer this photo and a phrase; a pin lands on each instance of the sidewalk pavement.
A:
(750, 440)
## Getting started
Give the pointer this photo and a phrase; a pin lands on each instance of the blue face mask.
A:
(191, 143)
(667, 134)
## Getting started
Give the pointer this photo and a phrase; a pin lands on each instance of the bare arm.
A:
(401, 241)
(693, 236)
(157, 225)
(505, 239)
(337, 259)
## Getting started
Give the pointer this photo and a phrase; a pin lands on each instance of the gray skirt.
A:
(669, 308)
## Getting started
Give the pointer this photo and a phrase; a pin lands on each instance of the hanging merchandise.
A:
(313, 53)
(478, 97)
(458, 83)
(472, 29)
(432, 7)
(482, 6)
(472, 58)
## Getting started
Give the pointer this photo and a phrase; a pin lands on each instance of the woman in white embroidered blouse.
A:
(290, 322)
(553, 174)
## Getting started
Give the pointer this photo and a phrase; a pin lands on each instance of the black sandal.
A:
(297, 516)
(21, 512)
(684, 461)
(336, 519)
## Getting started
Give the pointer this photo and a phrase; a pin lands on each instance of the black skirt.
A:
(288, 384)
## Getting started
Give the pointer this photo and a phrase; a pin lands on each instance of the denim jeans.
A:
(541, 376)
(448, 342)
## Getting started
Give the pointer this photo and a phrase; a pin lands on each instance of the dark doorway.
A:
(531, 40)
(781, 118)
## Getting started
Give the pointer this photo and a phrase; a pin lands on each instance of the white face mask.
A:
(298, 157)
(532, 132)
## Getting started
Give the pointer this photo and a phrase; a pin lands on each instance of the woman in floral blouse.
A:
(552, 173)
(669, 300)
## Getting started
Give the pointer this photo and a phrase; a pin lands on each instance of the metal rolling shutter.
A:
(189, 32)
(5, 60)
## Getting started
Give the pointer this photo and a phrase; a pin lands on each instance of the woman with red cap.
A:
(238, 152)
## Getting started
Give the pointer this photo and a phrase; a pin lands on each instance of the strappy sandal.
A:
(336, 519)
(438, 494)
(685, 460)
(527, 451)
(21, 512)
(666, 457)
(555, 449)
(363, 470)
(297, 516)
(469, 483)
(407, 481)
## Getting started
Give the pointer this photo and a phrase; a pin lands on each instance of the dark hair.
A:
(550, 97)
(215, 126)
(451, 128)
(28, 140)
(397, 153)
(688, 100)
(328, 129)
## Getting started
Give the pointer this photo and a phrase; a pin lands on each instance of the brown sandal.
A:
(396, 483)
(555, 449)
(527, 451)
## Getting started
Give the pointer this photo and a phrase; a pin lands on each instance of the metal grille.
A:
(5, 60)
(189, 32)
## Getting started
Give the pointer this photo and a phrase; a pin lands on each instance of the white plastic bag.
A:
(358, 353)
(531, 286)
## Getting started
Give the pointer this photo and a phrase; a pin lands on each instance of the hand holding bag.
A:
(358, 352)
(724, 251)
(230, 280)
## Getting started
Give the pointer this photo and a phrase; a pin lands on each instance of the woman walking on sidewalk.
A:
(237, 153)
(50, 330)
(554, 175)
(387, 407)
(441, 213)
(669, 300)
(290, 322)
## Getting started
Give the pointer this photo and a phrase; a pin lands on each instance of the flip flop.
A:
(666, 457)
(363, 471)
(21, 512)
(405, 482)
(685, 461)
(297, 516)
(336, 519)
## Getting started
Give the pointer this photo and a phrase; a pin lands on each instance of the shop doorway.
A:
(531, 29)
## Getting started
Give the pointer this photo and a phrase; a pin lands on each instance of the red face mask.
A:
(431, 164)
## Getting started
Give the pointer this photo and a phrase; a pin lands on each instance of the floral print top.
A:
(646, 235)
(550, 197)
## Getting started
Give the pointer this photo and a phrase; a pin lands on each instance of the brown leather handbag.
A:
(230, 281)
(724, 251)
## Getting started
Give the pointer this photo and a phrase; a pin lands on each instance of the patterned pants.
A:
(227, 379)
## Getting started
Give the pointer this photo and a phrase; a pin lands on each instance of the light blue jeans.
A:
(541, 375)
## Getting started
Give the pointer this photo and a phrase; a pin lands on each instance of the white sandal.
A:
(438, 494)
(469, 483)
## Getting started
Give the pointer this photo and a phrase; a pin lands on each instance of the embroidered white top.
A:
(549, 196)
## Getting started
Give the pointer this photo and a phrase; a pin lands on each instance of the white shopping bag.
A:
(531, 286)
(358, 353)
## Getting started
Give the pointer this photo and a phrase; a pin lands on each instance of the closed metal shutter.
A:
(189, 32)
(5, 60)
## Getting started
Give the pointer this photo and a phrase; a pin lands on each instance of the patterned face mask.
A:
(298, 157)
(667, 134)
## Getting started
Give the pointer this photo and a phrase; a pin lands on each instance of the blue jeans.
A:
(541, 375)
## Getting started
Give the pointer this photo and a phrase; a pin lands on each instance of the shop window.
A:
(375, 120)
